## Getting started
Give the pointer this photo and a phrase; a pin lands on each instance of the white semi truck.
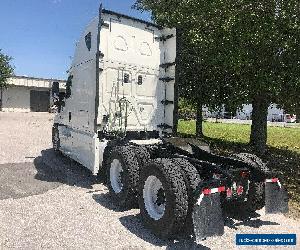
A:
(116, 119)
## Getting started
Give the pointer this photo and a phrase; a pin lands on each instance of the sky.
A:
(40, 35)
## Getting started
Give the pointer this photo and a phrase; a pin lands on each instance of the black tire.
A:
(55, 138)
(253, 160)
(142, 155)
(175, 195)
(192, 180)
(256, 197)
(256, 193)
(127, 197)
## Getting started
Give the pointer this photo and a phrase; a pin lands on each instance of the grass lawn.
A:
(283, 153)
(278, 137)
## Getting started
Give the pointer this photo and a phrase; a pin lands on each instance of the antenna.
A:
(100, 7)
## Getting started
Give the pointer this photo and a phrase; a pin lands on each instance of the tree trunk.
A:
(298, 113)
(258, 137)
(1, 97)
(199, 121)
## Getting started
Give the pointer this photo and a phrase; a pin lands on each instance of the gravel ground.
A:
(49, 201)
(23, 135)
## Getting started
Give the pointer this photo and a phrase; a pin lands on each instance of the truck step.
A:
(167, 102)
(164, 38)
(167, 65)
(166, 79)
(164, 126)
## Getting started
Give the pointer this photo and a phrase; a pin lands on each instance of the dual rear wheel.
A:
(163, 188)
(123, 176)
(256, 196)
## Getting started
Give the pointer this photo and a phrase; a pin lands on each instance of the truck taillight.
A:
(240, 190)
(228, 192)
(245, 174)
(234, 190)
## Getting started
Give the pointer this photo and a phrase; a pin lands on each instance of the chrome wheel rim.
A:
(116, 176)
(154, 197)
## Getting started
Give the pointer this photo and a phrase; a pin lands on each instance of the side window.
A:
(68, 86)
(88, 41)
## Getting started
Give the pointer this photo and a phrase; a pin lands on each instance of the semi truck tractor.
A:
(117, 118)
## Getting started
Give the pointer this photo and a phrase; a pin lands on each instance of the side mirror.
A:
(61, 101)
(57, 97)
(55, 89)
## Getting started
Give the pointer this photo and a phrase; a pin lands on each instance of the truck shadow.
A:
(256, 223)
(134, 225)
(54, 167)
(105, 201)
(234, 218)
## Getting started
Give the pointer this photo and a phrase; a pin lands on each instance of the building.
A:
(245, 113)
(28, 94)
(274, 113)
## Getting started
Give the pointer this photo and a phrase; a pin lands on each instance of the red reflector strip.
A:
(208, 191)
(272, 180)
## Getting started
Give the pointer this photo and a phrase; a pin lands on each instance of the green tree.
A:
(196, 78)
(6, 71)
(248, 52)
(291, 100)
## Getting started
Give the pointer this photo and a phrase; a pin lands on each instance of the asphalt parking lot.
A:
(49, 201)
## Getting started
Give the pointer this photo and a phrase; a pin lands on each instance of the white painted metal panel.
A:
(78, 114)
(130, 47)
(130, 89)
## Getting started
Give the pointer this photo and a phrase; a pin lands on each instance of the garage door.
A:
(39, 101)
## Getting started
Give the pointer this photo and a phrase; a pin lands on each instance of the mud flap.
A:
(276, 198)
(207, 217)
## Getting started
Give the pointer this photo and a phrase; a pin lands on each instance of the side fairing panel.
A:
(79, 109)
(77, 130)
